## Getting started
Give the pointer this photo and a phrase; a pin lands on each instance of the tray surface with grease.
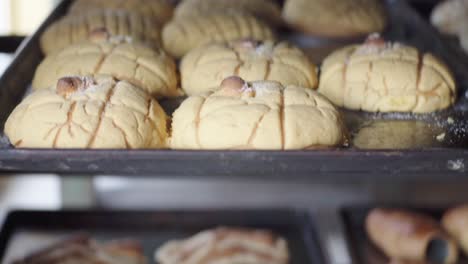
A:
(25, 232)
(362, 250)
(390, 145)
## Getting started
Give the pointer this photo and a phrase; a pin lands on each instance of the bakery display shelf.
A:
(390, 146)
(24, 232)
(361, 248)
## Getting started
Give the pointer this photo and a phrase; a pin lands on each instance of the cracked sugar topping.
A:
(76, 85)
(376, 44)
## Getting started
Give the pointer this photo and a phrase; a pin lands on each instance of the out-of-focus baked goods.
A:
(203, 68)
(82, 249)
(183, 34)
(386, 77)
(335, 18)
(160, 9)
(75, 28)
(455, 221)
(410, 236)
(151, 69)
(86, 112)
(450, 16)
(226, 246)
(256, 115)
(266, 10)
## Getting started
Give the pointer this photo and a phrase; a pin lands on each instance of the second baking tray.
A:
(27, 231)
(361, 248)
(384, 146)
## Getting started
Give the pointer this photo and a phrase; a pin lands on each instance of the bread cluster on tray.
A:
(108, 63)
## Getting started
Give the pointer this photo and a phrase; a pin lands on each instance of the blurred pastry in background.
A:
(185, 33)
(267, 10)
(160, 9)
(82, 249)
(203, 68)
(455, 222)
(257, 115)
(335, 18)
(118, 56)
(410, 236)
(380, 76)
(450, 16)
(226, 245)
(74, 28)
(88, 112)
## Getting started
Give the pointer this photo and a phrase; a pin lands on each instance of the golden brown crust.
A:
(406, 235)
(75, 28)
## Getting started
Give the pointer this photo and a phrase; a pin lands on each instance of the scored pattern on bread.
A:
(76, 28)
(344, 18)
(85, 112)
(386, 77)
(160, 9)
(257, 115)
(151, 69)
(225, 246)
(266, 10)
(185, 33)
(202, 69)
(81, 249)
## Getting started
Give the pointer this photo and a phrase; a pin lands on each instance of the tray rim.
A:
(419, 160)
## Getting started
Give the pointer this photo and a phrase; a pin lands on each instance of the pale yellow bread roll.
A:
(257, 115)
(86, 112)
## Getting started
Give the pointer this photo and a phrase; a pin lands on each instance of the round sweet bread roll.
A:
(450, 16)
(86, 112)
(335, 18)
(160, 9)
(151, 69)
(380, 76)
(257, 115)
(266, 10)
(183, 34)
(203, 68)
(76, 28)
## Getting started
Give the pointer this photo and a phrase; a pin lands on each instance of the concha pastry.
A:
(450, 16)
(85, 112)
(335, 18)
(75, 28)
(202, 69)
(386, 77)
(160, 9)
(226, 246)
(455, 221)
(150, 69)
(183, 34)
(266, 10)
(256, 115)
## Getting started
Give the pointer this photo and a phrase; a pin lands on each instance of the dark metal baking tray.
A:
(361, 248)
(9, 44)
(390, 146)
(24, 231)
